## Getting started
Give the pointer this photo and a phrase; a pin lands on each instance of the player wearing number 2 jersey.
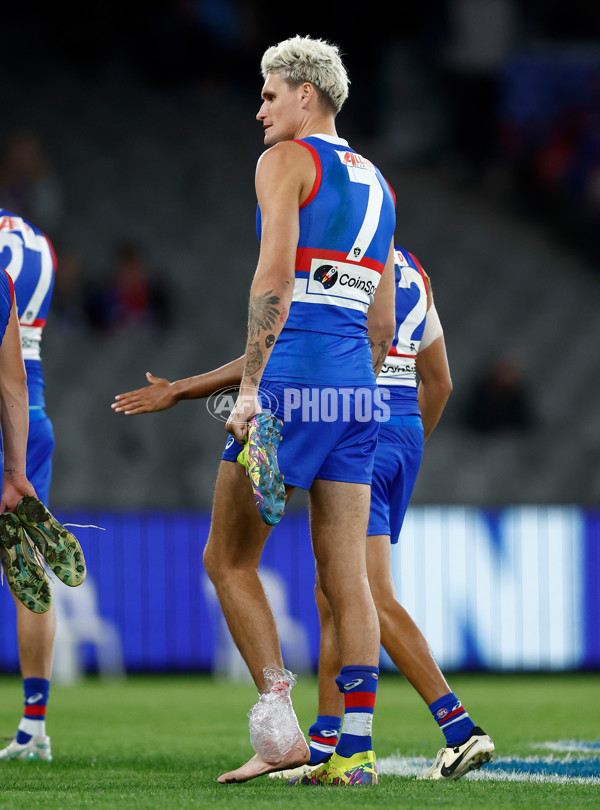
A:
(321, 298)
(416, 377)
(28, 257)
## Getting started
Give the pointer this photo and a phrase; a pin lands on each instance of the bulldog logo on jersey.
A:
(327, 274)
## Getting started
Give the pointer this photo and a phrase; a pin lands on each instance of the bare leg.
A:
(231, 558)
(331, 701)
(35, 632)
(400, 636)
(338, 515)
(403, 641)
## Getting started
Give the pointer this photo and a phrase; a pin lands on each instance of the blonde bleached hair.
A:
(304, 59)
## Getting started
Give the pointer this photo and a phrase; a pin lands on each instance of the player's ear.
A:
(307, 91)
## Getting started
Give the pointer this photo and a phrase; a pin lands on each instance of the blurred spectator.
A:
(194, 41)
(551, 139)
(68, 302)
(479, 35)
(499, 401)
(29, 186)
(133, 297)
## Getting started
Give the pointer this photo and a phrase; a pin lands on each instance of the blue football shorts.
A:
(397, 462)
(329, 432)
(40, 446)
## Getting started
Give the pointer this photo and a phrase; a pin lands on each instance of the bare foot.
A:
(257, 766)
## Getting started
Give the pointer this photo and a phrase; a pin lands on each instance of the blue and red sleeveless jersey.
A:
(28, 257)
(7, 296)
(346, 228)
(398, 373)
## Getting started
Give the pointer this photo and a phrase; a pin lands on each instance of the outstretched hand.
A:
(158, 396)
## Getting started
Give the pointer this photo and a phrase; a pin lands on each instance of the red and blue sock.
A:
(323, 736)
(453, 719)
(359, 687)
(33, 722)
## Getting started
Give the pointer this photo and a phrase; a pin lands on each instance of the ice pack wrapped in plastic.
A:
(273, 724)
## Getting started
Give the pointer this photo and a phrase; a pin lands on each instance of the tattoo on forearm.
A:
(382, 350)
(254, 358)
(263, 313)
(269, 341)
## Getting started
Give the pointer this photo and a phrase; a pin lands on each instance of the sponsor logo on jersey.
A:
(327, 274)
(13, 223)
(400, 259)
(31, 341)
(398, 369)
(368, 287)
(343, 280)
(354, 159)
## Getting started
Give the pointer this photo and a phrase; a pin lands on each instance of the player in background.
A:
(417, 376)
(28, 257)
(14, 420)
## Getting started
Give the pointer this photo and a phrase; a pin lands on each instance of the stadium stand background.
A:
(147, 117)
(137, 123)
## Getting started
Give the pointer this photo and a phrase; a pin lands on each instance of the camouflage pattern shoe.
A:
(58, 546)
(25, 576)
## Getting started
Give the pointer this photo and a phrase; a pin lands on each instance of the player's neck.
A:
(320, 125)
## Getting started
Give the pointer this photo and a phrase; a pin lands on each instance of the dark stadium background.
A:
(138, 120)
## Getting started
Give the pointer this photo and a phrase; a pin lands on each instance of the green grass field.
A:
(160, 742)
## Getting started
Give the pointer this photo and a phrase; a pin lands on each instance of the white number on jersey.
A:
(416, 314)
(34, 241)
(361, 171)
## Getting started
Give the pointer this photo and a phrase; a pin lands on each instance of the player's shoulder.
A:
(285, 163)
(14, 222)
(283, 152)
(404, 258)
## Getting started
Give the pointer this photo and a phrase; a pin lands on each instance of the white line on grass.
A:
(570, 746)
(508, 769)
